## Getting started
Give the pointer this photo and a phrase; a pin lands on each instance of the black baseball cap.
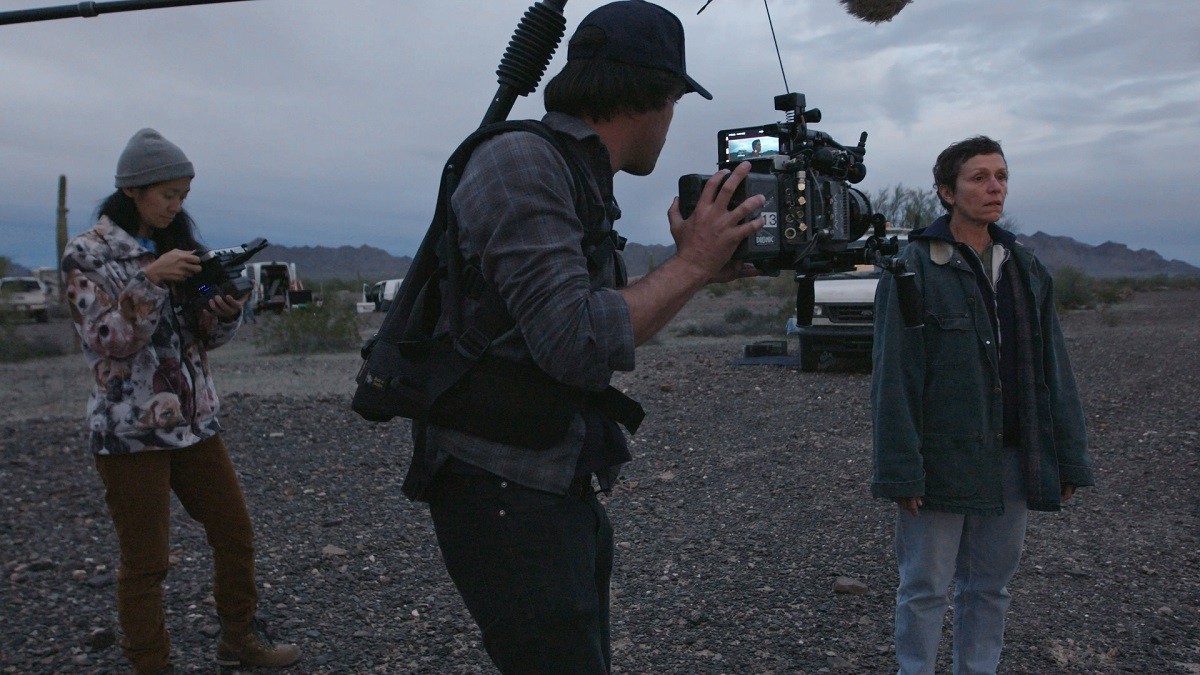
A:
(638, 33)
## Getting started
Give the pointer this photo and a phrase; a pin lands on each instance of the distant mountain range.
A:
(1109, 259)
(370, 264)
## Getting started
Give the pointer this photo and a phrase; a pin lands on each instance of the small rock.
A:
(42, 566)
(102, 638)
(331, 550)
(849, 586)
(101, 580)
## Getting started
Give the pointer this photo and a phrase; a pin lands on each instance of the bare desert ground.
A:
(746, 500)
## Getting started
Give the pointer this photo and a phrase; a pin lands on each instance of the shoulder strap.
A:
(427, 261)
(467, 280)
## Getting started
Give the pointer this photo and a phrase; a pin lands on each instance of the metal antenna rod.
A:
(91, 9)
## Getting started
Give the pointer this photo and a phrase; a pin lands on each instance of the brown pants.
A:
(138, 492)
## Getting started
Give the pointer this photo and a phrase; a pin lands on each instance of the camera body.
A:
(220, 274)
(812, 216)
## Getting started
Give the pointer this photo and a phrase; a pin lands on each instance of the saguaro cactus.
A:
(62, 234)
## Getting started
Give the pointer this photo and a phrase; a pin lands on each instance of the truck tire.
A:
(810, 357)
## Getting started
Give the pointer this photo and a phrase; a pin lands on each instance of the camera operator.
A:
(153, 411)
(524, 538)
(977, 419)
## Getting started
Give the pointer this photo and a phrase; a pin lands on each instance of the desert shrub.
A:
(706, 330)
(1109, 293)
(717, 290)
(738, 315)
(1108, 316)
(782, 286)
(331, 327)
(14, 347)
(327, 287)
(738, 321)
(1073, 289)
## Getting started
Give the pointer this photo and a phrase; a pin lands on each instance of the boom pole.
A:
(92, 9)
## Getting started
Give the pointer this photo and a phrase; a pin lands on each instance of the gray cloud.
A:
(313, 122)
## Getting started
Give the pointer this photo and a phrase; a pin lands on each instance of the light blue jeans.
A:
(980, 555)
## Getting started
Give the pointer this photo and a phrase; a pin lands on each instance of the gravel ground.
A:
(745, 504)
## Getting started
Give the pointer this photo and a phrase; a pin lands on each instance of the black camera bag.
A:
(452, 382)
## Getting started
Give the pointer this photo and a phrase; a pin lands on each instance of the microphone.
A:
(875, 11)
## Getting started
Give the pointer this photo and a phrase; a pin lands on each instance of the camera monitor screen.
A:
(735, 145)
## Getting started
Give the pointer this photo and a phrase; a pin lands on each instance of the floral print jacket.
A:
(153, 388)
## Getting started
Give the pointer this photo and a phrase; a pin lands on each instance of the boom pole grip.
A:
(527, 57)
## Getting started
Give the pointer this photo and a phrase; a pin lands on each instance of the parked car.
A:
(382, 293)
(26, 296)
(843, 317)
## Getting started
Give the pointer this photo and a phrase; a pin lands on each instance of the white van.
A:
(276, 286)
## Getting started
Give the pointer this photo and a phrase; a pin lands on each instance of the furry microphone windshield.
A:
(875, 11)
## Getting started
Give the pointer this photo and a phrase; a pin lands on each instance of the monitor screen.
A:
(741, 144)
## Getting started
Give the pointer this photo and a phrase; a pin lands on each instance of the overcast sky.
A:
(314, 122)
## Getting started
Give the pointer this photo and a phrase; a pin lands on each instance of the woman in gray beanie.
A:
(153, 410)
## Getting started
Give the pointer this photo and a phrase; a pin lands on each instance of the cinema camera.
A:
(814, 221)
(813, 217)
(220, 274)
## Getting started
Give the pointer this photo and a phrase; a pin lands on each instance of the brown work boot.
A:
(255, 649)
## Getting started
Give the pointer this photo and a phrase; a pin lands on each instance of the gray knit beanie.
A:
(149, 158)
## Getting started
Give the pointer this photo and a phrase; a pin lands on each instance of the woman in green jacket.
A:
(976, 415)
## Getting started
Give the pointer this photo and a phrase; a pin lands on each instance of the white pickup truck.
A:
(843, 320)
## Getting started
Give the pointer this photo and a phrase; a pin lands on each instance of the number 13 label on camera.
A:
(766, 236)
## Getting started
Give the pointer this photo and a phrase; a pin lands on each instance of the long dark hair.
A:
(121, 209)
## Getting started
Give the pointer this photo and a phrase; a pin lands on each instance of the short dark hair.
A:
(951, 160)
(600, 89)
(121, 209)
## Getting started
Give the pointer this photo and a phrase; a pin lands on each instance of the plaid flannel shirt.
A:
(517, 215)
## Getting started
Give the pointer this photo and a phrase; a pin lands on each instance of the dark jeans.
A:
(533, 569)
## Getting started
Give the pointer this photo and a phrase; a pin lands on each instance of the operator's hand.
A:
(174, 265)
(707, 239)
(910, 504)
(227, 308)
